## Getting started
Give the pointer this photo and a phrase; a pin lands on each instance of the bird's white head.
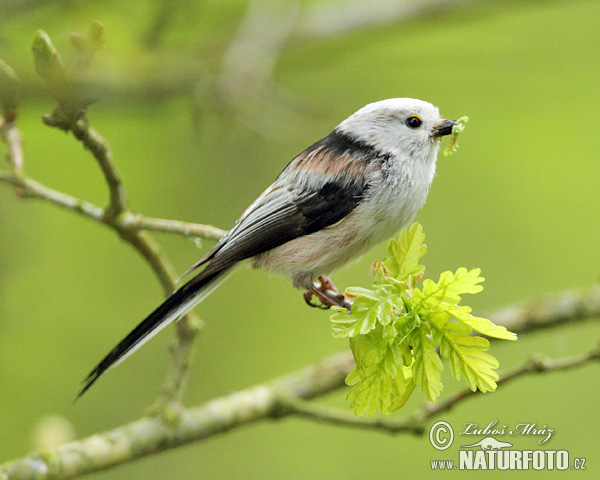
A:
(402, 127)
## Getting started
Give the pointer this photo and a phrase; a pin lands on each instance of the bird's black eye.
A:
(414, 121)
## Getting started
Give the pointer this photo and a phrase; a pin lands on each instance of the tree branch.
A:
(550, 310)
(127, 221)
(537, 364)
(70, 115)
(119, 216)
(416, 424)
(136, 221)
(12, 138)
(146, 246)
(32, 189)
(150, 435)
(282, 397)
(101, 151)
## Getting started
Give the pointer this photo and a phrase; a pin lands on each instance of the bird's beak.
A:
(442, 127)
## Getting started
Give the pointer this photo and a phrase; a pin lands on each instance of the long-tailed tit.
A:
(341, 196)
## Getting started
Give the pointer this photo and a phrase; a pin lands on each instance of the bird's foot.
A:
(328, 295)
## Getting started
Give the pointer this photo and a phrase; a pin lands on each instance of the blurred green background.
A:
(203, 103)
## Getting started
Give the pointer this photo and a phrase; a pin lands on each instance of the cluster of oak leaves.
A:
(395, 328)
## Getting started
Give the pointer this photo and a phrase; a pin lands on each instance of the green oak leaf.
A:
(395, 327)
(427, 363)
(405, 252)
(467, 356)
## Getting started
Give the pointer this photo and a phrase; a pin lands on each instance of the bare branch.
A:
(136, 221)
(344, 418)
(415, 424)
(550, 310)
(33, 189)
(186, 327)
(100, 149)
(148, 436)
(536, 365)
(120, 217)
(129, 221)
(12, 138)
(283, 397)
(9, 100)
(147, 247)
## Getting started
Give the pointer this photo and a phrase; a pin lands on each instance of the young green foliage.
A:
(395, 328)
(71, 86)
(456, 131)
(50, 66)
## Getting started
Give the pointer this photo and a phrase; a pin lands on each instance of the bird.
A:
(354, 188)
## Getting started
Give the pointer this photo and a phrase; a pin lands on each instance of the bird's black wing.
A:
(287, 211)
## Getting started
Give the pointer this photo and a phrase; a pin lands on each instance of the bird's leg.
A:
(308, 295)
(328, 294)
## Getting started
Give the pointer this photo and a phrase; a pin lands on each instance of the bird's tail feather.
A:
(174, 307)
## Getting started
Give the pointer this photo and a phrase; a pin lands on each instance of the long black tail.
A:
(174, 307)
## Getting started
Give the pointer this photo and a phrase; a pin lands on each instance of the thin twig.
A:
(550, 310)
(535, 365)
(129, 221)
(149, 249)
(416, 423)
(186, 327)
(119, 216)
(344, 418)
(99, 148)
(33, 189)
(136, 221)
(12, 138)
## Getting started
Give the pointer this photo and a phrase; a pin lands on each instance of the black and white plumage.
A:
(344, 194)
